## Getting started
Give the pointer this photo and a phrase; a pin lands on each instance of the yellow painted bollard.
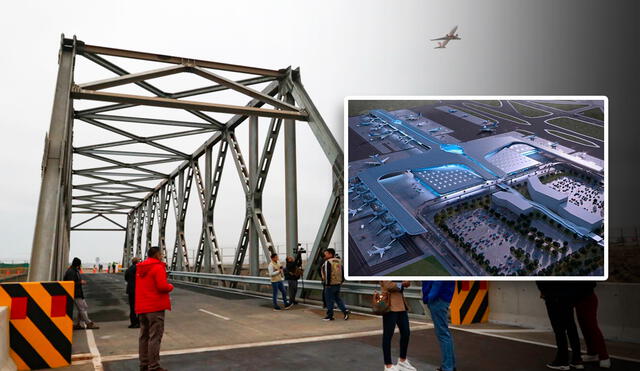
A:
(40, 323)
(470, 303)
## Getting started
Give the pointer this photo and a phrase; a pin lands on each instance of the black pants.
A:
(292, 288)
(561, 317)
(389, 322)
(133, 317)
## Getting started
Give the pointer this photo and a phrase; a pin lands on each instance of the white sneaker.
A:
(605, 363)
(590, 358)
(392, 368)
(406, 366)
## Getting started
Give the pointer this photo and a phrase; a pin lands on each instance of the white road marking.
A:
(489, 330)
(214, 314)
(308, 339)
(559, 135)
(573, 131)
(93, 348)
(480, 332)
(305, 304)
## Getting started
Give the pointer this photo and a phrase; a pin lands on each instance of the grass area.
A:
(594, 113)
(528, 111)
(498, 114)
(523, 191)
(495, 103)
(581, 127)
(361, 107)
(563, 106)
(425, 267)
(480, 116)
(569, 137)
(550, 178)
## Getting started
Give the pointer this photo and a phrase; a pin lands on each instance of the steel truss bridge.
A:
(116, 187)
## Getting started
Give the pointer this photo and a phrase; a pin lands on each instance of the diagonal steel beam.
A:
(143, 84)
(216, 88)
(178, 134)
(319, 127)
(133, 77)
(118, 163)
(143, 120)
(325, 231)
(131, 153)
(132, 136)
(78, 93)
(243, 89)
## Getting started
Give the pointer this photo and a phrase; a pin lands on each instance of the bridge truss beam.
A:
(119, 185)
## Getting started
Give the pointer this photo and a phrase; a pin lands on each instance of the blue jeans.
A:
(439, 310)
(332, 295)
(278, 286)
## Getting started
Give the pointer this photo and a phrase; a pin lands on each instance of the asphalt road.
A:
(256, 338)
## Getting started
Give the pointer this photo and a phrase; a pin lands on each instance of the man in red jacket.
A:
(152, 299)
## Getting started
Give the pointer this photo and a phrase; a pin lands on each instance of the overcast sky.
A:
(343, 48)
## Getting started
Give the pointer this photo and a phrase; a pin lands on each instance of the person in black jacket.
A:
(292, 273)
(73, 274)
(560, 299)
(130, 277)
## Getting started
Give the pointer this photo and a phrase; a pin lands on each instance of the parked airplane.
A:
(452, 35)
(435, 129)
(377, 161)
(353, 212)
(412, 116)
(374, 133)
(487, 129)
(378, 250)
(380, 137)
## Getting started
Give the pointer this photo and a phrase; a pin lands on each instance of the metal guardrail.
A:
(348, 287)
(13, 277)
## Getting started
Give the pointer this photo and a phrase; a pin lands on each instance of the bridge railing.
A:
(357, 288)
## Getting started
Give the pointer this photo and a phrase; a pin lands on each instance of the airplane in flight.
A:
(452, 35)
(378, 250)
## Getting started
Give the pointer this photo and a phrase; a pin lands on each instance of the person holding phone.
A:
(396, 316)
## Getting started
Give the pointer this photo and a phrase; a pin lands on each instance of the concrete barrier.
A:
(6, 363)
(519, 303)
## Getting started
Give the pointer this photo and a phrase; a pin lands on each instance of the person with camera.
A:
(292, 273)
(277, 276)
(395, 315)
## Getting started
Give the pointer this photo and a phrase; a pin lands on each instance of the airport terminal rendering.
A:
(502, 187)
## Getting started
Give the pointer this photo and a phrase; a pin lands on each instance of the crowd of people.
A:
(148, 293)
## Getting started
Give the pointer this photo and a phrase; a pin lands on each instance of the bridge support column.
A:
(291, 183)
(254, 239)
(51, 236)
